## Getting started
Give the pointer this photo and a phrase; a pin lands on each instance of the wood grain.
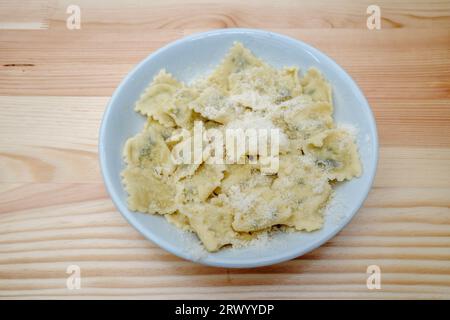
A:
(54, 211)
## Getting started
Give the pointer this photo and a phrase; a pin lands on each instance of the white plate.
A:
(196, 55)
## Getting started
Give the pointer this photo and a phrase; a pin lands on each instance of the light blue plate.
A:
(194, 56)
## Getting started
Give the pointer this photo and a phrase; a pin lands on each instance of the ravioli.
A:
(148, 192)
(305, 191)
(238, 60)
(179, 220)
(199, 186)
(212, 223)
(231, 203)
(213, 104)
(315, 86)
(148, 150)
(166, 100)
(335, 151)
(302, 118)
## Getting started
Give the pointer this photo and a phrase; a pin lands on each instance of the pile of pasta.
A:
(228, 204)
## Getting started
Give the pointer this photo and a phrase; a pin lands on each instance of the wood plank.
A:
(163, 14)
(166, 14)
(35, 63)
(28, 15)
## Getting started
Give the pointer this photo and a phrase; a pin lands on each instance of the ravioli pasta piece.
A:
(176, 136)
(257, 79)
(158, 98)
(237, 60)
(185, 170)
(256, 209)
(198, 187)
(287, 84)
(214, 104)
(260, 87)
(148, 150)
(253, 88)
(249, 195)
(149, 166)
(179, 111)
(148, 192)
(304, 119)
(295, 198)
(304, 191)
(316, 86)
(158, 128)
(166, 100)
(179, 220)
(245, 177)
(212, 223)
(335, 151)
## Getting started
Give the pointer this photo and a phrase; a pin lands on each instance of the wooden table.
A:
(54, 211)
